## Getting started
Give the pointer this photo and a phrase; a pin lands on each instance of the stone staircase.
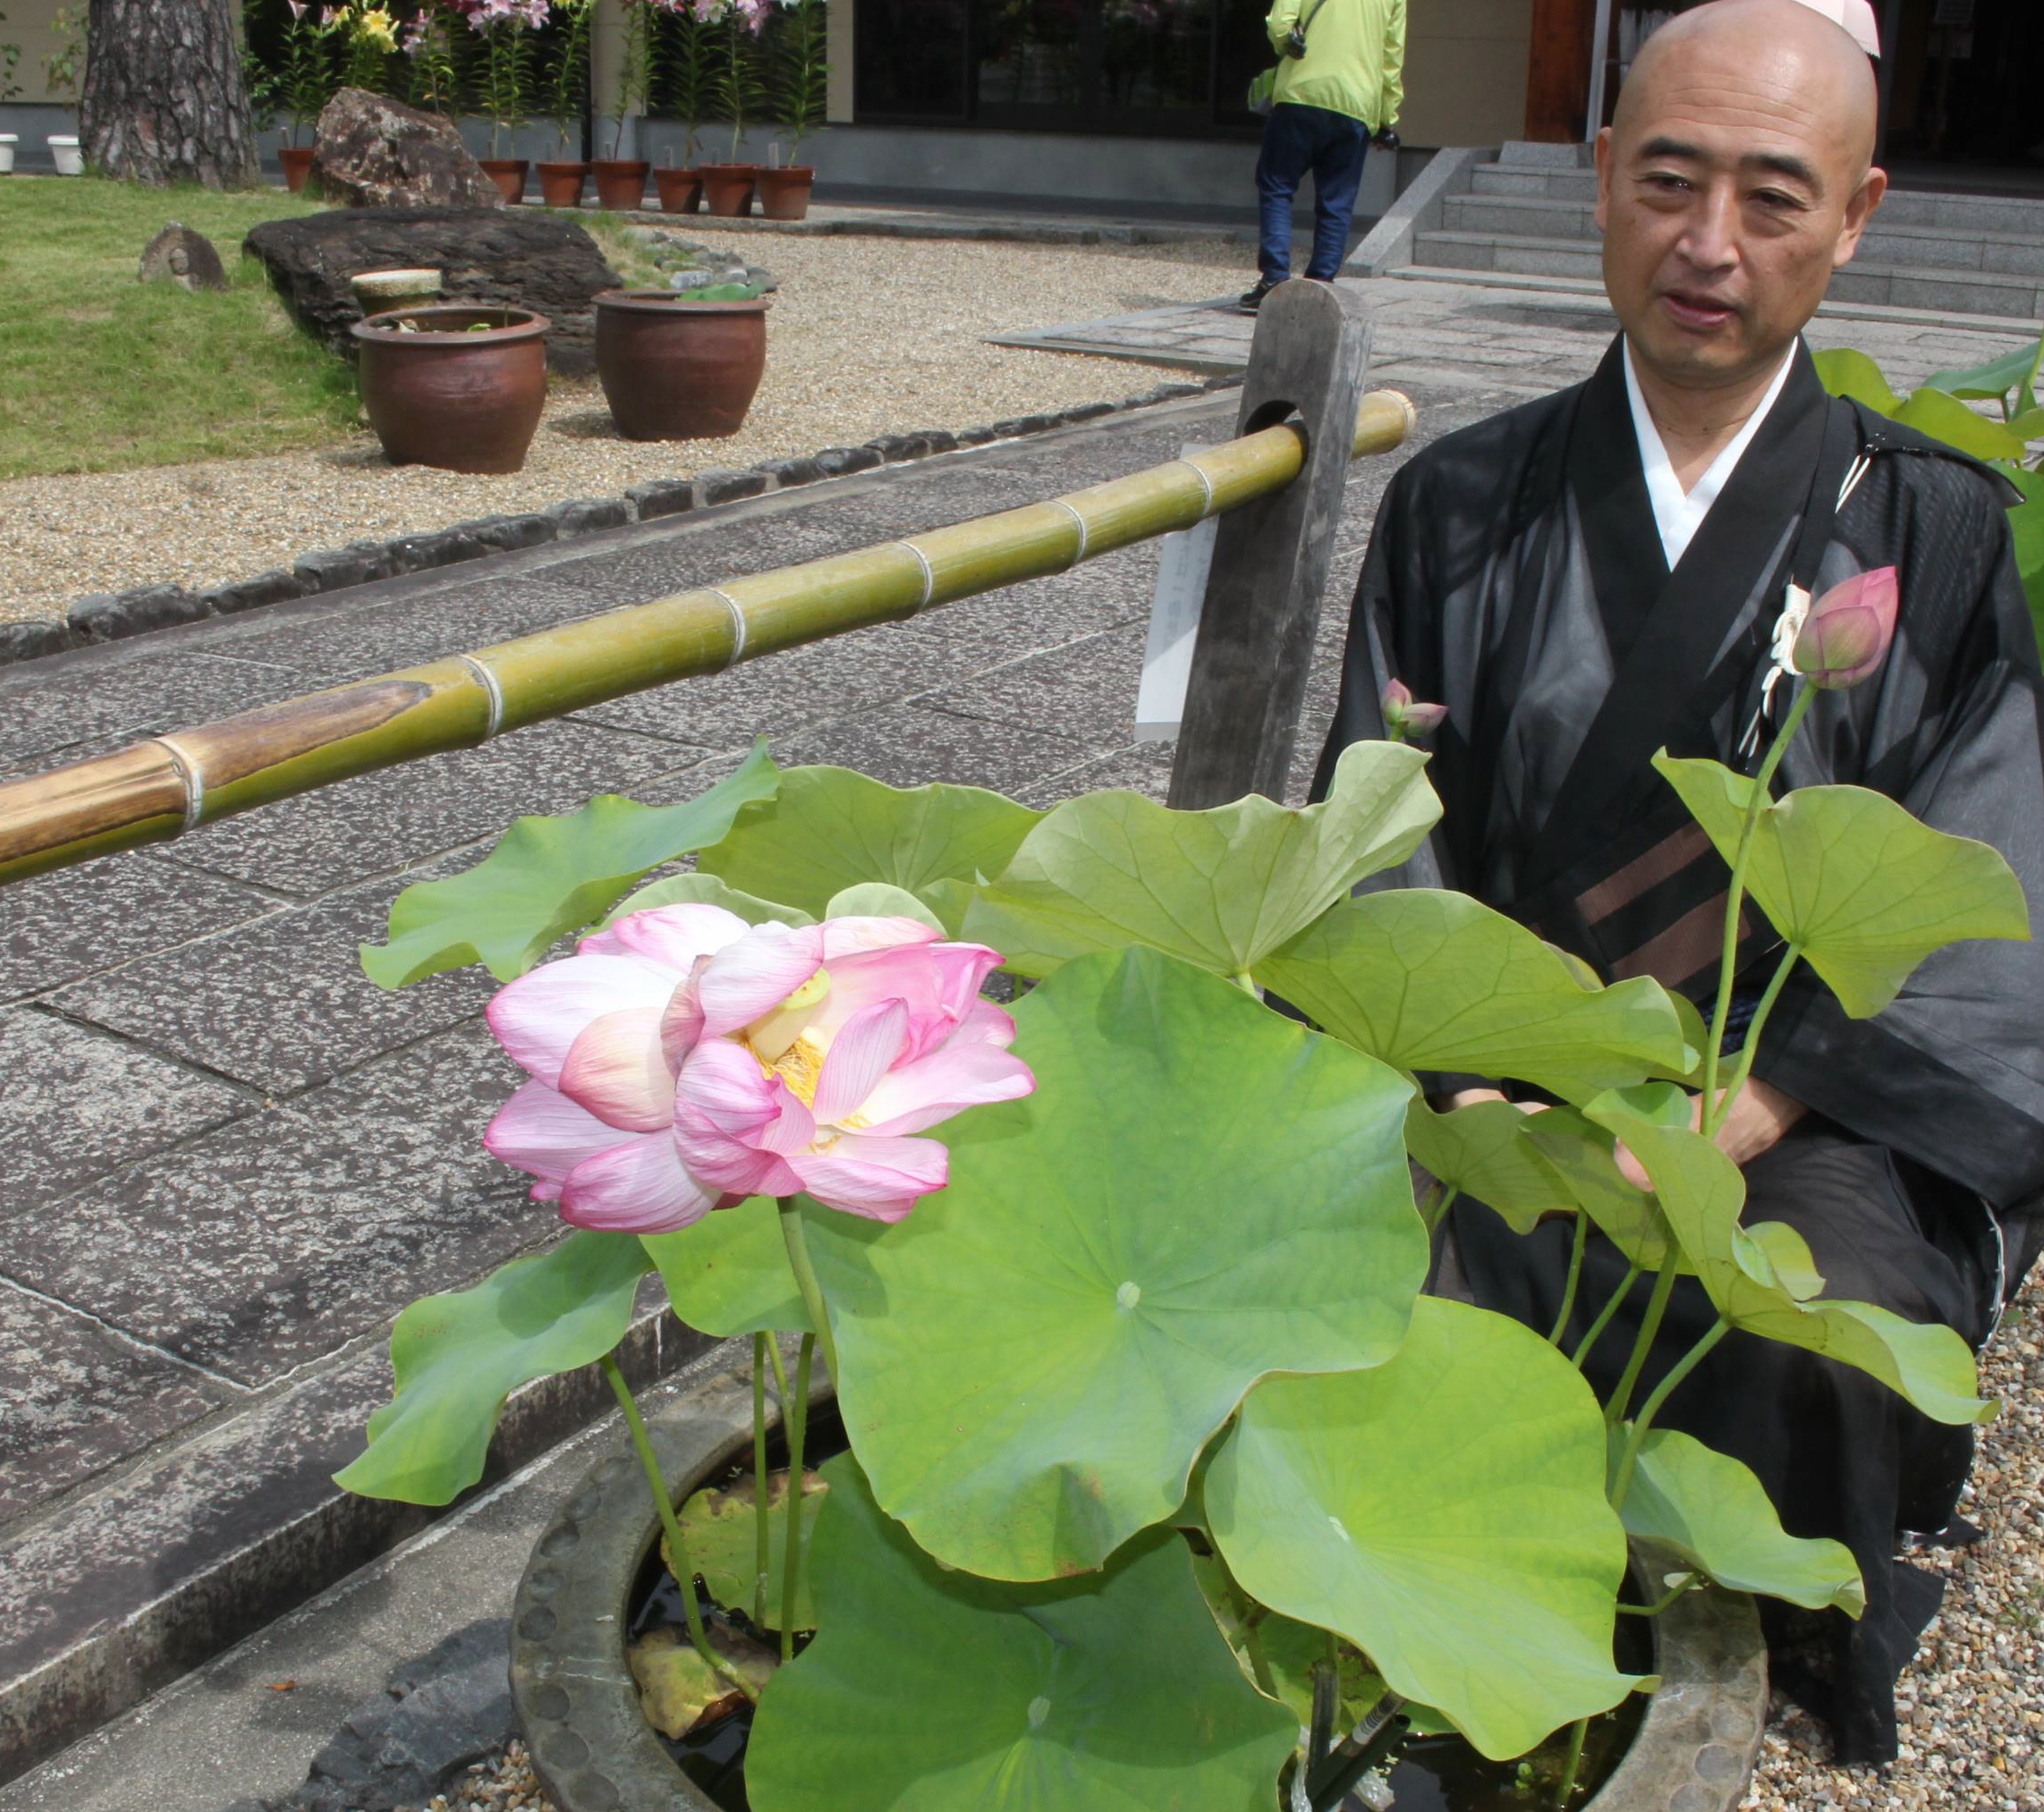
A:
(1528, 216)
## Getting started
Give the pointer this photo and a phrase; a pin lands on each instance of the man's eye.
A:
(1774, 198)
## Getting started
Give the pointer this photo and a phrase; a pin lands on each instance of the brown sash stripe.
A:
(1666, 858)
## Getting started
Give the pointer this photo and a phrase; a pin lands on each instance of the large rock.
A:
(532, 258)
(375, 153)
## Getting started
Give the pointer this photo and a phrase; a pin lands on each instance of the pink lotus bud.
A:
(1404, 719)
(1847, 632)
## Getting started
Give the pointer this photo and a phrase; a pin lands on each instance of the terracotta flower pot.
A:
(560, 184)
(727, 188)
(673, 369)
(679, 189)
(783, 194)
(297, 161)
(509, 176)
(620, 182)
(460, 387)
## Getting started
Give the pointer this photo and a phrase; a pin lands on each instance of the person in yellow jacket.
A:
(1340, 82)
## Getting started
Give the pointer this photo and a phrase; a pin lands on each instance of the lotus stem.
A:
(1571, 1765)
(1440, 1198)
(796, 1427)
(1628, 1461)
(1643, 1343)
(780, 1371)
(1250, 1614)
(1714, 1111)
(670, 1526)
(1750, 1047)
(762, 1544)
(1574, 1278)
(1686, 1584)
(1604, 1316)
(796, 1240)
(1366, 1747)
(1320, 1733)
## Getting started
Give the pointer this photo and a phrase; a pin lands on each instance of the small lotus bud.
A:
(1403, 718)
(1848, 631)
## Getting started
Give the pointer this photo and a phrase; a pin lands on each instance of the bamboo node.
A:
(191, 776)
(488, 681)
(1206, 486)
(737, 612)
(928, 574)
(1059, 502)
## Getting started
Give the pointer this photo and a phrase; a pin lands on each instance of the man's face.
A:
(1727, 195)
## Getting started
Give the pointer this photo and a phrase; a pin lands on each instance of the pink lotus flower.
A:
(683, 1059)
(1848, 631)
(1403, 718)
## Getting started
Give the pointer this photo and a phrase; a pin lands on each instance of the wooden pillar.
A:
(1248, 683)
(1557, 74)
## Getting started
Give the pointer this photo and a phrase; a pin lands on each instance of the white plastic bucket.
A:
(7, 143)
(70, 159)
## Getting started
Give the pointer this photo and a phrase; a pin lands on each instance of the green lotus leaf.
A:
(677, 1687)
(729, 1274)
(1701, 1193)
(1220, 889)
(1484, 1152)
(1629, 1218)
(928, 1690)
(1200, 1192)
(1430, 980)
(1861, 887)
(828, 828)
(1845, 371)
(1716, 1514)
(2015, 371)
(1944, 418)
(880, 899)
(1445, 1513)
(2027, 520)
(723, 1537)
(706, 890)
(1289, 1649)
(457, 1357)
(551, 874)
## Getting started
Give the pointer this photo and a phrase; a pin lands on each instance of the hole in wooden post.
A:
(1272, 415)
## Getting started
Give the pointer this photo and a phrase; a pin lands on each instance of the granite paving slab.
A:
(79, 1397)
(75, 708)
(914, 744)
(79, 1104)
(1086, 687)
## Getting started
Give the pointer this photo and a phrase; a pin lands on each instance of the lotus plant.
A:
(1405, 718)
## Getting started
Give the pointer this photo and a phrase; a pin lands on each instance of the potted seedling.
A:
(562, 177)
(740, 95)
(10, 90)
(63, 68)
(507, 32)
(801, 100)
(621, 181)
(431, 77)
(306, 84)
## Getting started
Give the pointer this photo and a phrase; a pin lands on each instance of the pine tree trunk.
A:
(164, 100)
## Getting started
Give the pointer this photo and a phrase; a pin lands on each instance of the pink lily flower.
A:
(1848, 631)
(682, 1060)
(1403, 718)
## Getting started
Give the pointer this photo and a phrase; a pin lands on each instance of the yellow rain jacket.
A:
(1355, 57)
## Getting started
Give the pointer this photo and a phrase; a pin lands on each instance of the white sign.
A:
(1184, 557)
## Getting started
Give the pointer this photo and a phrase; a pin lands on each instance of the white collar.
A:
(1678, 515)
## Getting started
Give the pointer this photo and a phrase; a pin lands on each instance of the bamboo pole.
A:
(157, 789)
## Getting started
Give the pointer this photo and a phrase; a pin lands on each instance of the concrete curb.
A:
(113, 616)
(1389, 243)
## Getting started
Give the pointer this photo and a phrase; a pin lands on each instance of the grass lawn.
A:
(99, 372)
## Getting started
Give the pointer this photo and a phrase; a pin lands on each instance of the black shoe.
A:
(1253, 299)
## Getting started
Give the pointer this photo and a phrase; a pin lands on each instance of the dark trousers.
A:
(1840, 1453)
(1331, 146)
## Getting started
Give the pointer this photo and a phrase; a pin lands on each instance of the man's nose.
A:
(1711, 242)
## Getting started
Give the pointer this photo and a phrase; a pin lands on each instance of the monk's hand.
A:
(1471, 1098)
(1761, 1116)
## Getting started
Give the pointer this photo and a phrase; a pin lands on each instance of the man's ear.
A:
(1859, 211)
(1606, 159)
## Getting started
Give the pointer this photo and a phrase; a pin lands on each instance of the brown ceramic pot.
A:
(461, 388)
(620, 182)
(679, 189)
(673, 369)
(509, 176)
(783, 194)
(297, 161)
(560, 184)
(727, 188)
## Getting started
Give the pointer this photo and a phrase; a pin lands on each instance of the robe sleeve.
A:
(1952, 1073)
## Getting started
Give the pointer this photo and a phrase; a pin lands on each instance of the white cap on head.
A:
(1857, 16)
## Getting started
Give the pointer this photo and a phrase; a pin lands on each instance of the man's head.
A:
(1735, 178)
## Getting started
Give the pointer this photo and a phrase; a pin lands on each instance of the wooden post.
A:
(1271, 557)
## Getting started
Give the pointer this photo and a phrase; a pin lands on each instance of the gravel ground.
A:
(1973, 1704)
(867, 337)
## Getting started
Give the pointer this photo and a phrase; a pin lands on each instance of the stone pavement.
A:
(229, 1159)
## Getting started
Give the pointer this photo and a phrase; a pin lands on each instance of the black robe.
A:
(1516, 575)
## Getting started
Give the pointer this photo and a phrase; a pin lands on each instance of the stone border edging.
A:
(115, 615)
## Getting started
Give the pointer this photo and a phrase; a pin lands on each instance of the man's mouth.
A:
(1698, 312)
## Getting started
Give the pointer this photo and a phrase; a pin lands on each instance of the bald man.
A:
(1596, 575)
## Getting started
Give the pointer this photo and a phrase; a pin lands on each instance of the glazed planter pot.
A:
(681, 190)
(560, 184)
(783, 194)
(673, 369)
(297, 161)
(620, 182)
(68, 156)
(509, 176)
(727, 188)
(595, 1752)
(8, 140)
(459, 387)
